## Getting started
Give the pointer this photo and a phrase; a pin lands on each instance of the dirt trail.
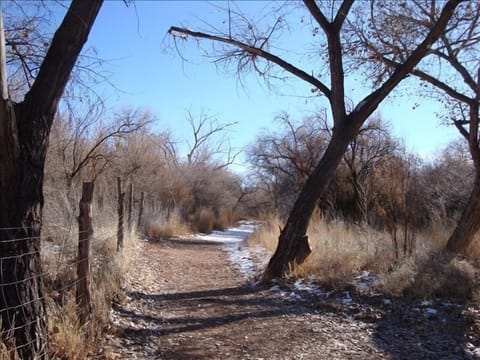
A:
(184, 300)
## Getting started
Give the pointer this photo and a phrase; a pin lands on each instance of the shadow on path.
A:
(201, 310)
(189, 324)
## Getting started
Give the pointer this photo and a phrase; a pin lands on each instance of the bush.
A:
(203, 220)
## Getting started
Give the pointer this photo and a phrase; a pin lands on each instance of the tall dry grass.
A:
(205, 220)
(340, 251)
(164, 225)
(68, 338)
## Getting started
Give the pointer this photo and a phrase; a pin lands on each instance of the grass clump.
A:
(432, 277)
(207, 220)
(164, 226)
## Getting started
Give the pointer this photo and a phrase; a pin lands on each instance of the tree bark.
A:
(24, 133)
(469, 223)
(85, 232)
(293, 246)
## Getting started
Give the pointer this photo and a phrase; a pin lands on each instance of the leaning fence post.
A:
(85, 232)
(130, 207)
(120, 214)
(140, 211)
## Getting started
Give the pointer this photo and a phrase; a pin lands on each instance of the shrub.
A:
(430, 277)
(203, 221)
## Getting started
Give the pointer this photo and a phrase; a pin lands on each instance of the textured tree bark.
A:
(85, 232)
(293, 247)
(24, 133)
(469, 222)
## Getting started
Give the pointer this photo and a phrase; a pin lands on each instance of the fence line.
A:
(9, 263)
(62, 251)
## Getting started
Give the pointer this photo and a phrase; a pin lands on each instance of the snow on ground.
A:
(234, 235)
(241, 256)
(250, 260)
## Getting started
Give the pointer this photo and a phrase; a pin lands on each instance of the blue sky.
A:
(152, 75)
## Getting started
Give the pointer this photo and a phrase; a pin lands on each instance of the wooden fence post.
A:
(140, 211)
(130, 207)
(120, 214)
(85, 232)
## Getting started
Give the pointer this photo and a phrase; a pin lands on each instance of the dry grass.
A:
(206, 220)
(164, 227)
(202, 221)
(68, 339)
(267, 234)
(340, 251)
(429, 278)
(225, 219)
(430, 272)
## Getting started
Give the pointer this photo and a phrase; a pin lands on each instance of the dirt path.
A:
(184, 300)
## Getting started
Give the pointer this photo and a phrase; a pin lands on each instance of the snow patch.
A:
(308, 287)
(233, 238)
(233, 235)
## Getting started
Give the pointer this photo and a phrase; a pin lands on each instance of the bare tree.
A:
(451, 70)
(209, 141)
(293, 246)
(27, 39)
(285, 159)
(370, 149)
(84, 144)
(447, 183)
(24, 133)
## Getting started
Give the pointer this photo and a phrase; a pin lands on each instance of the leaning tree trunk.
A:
(469, 222)
(24, 133)
(293, 246)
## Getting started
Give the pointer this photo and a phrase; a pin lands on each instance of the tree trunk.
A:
(140, 211)
(85, 232)
(293, 247)
(24, 132)
(469, 223)
(130, 207)
(121, 212)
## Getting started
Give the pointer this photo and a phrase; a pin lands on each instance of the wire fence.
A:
(41, 276)
(37, 274)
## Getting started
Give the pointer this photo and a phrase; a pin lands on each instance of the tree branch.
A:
(371, 102)
(48, 87)
(254, 51)
(317, 15)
